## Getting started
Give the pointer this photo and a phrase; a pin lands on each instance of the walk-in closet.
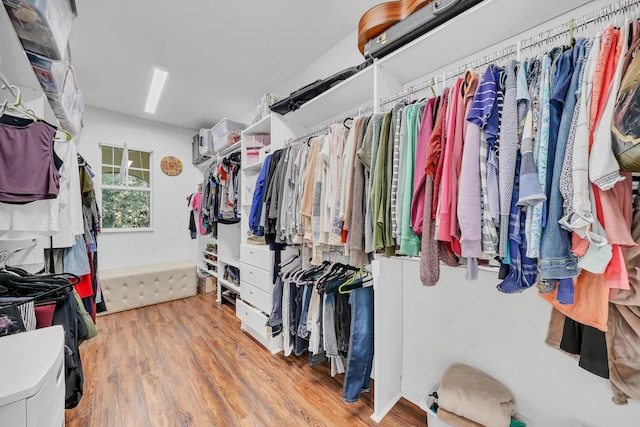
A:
(411, 213)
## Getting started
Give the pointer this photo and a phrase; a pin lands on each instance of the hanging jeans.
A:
(301, 344)
(330, 343)
(302, 326)
(275, 320)
(360, 358)
(343, 323)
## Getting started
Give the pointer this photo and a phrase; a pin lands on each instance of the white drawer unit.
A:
(254, 323)
(261, 279)
(253, 318)
(256, 297)
(259, 256)
(32, 387)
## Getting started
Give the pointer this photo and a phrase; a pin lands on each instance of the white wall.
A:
(503, 335)
(170, 239)
(343, 55)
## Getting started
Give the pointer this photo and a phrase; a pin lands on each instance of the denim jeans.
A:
(300, 344)
(330, 342)
(306, 299)
(360, 358)
(275, 320)
(556, 260)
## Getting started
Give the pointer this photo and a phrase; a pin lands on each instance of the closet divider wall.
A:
(420, 331)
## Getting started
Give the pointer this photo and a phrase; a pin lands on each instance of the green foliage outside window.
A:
(126, 204)
(125, 208)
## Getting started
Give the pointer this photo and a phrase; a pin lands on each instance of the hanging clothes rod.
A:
(324, 128)
(599, 16)
(433, 82)
(552, 34)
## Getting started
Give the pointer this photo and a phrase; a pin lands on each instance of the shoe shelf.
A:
(227, 284)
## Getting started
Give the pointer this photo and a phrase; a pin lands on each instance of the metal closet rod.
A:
(552, 34)
(433, 82)
(600, 16)
(323, 129)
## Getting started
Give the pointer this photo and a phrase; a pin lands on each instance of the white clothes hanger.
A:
(17, 107)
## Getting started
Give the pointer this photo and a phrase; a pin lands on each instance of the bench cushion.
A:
(133, 287)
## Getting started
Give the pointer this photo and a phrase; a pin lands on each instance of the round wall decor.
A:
(171, 166)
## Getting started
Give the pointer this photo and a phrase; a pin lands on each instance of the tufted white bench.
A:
(134, 287)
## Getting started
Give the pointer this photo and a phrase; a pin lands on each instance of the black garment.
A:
(271, 195)
(589, 343)
(192, 219)
(11, 321)
(69, 316)
(101, 306)
(301, 344)
(343, 323)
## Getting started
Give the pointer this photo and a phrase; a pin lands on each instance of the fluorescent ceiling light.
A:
(155, 90)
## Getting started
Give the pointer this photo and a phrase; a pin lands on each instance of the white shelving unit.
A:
(228, 255)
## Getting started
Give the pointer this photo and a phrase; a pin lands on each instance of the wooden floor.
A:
(187, 363)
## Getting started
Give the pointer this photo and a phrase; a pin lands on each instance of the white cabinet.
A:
(32, 381)
(256, 261)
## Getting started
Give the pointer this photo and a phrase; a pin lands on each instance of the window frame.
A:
(148, 189)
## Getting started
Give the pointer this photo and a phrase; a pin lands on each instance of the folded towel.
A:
(455, 420)
(476, 396)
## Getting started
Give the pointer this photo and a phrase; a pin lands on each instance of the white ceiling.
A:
(221, 55)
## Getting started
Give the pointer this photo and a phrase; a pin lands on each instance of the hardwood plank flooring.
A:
(187, 363)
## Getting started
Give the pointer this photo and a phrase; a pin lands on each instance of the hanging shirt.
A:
(448, 173)
(533, 237)
(508, 153)
(196, 205)
(480, 114)
(27, 169)
(469, 87)
(409, 242)
(423, 147)
(379, 187)
(368, 155)
(257, 200)
(396, 170)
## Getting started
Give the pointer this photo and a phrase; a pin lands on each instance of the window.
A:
(126, 194)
